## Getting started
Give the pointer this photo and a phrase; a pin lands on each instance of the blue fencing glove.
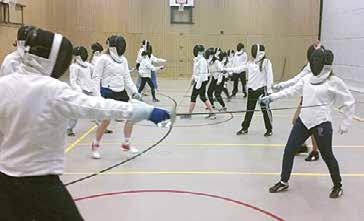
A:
(159, 115)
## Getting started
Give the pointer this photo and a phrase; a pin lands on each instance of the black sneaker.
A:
(70, 133)
(268, 133)
(336, 192)
(313, 156)
(303, 149)
(211, 116)
(242, 131)
(279, 187)
(107, 131)
(155, 100)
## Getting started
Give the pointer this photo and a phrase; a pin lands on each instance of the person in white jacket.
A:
(12, 61)
(111, 72)
(199, 82)
(97, 50)
(240, 58)
(320, 91)
(306, 70)
(33, 125)
(221, 79)
(260, 80)
(145, 72)
(81, 79)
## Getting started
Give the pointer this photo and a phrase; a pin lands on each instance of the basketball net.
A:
(181, 7)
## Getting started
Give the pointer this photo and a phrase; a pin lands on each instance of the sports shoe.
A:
(242, 131)
(279, 187)
(211, 116)
(245, 94)
(70, 133)
(224, 109)
(107, 131)
(313, 156)
(229, 99)
(336, 192)
(127, 147)
(155, 100)
(268, 133)
(95, 152)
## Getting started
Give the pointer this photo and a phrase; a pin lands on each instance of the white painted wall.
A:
(343, 32)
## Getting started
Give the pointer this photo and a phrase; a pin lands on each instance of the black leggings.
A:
(218, 91)
(42, 198)
(253, 97)
(225, 90)
(242, 78)
(150, 83)
(323, 136)
(211, 90)
(199, 92)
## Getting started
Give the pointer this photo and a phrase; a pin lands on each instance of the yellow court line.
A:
(80, 139)
(214, 173)
(222, 145)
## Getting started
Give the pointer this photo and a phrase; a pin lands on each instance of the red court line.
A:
(241, 203)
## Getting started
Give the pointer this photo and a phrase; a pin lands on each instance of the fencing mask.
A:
(258, 52)
(81, 55)
(117, 47)
(23, 31)
(198, 50)
(47, 52)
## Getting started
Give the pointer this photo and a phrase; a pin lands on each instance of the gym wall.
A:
(286, 27)
(343, 32)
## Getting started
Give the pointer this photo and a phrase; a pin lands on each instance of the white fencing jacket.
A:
(34, 111)
(200, 71)
(305, 71)
(146, 67)
(332, 92)
(81, 78)
(10, 64)
(256, 78)
(240, 58)
(113, 75)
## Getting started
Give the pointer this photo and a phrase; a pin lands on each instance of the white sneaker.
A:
(127, 147)
(96, 155)
(95, 152)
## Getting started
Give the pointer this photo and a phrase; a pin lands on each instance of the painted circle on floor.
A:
(180, 192)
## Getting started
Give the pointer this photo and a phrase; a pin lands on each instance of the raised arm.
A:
(305, 71)
(72, 104)
(157, 60)
(296, 89)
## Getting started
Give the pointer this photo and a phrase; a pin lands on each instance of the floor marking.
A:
(80, 139)
(221, 145)
(200, 194)
(214, 173)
